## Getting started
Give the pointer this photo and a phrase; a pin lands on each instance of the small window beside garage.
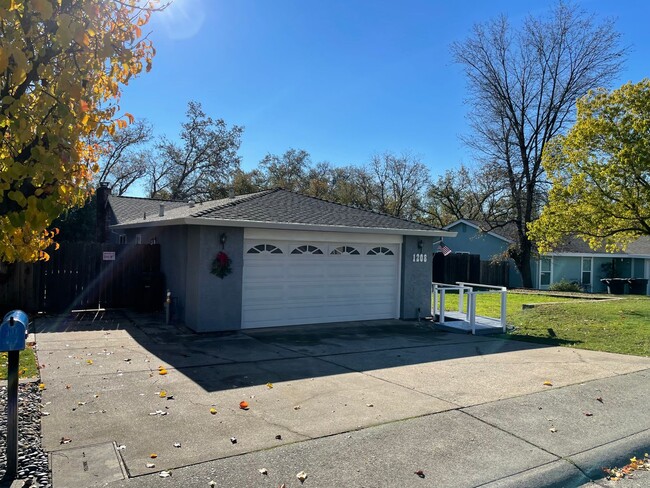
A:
(380, 251)
(307, 249)
(264, 248)
(345, 250)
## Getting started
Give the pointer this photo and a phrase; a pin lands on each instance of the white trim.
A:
(591, 272)
(489, 232)
(283, 235)
(539, 274)
(282, 225)
(646, 275)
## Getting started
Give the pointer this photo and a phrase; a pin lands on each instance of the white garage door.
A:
(309, 281)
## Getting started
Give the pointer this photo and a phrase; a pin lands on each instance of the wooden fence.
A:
(83, 275)
(470, 269)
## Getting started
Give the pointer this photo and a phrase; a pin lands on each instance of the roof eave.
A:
(282, 226)
(596, 255)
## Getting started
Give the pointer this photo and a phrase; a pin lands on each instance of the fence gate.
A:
(84, 275)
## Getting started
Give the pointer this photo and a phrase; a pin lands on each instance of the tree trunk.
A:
(523, 263)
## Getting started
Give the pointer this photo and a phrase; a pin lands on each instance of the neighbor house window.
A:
(138, 238)
(345, 250)
(587, 268)
(122, 239)
(545, 266)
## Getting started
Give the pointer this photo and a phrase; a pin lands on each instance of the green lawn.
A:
(27, 367)
(621, 326)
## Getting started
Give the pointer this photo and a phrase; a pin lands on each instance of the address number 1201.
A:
(419, 258)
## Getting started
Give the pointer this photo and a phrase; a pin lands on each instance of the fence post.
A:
(503, 308)
(442, 307)
(435, 301)
(471, 310)
(461, 298)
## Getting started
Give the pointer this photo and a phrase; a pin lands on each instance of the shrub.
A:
(564, 285)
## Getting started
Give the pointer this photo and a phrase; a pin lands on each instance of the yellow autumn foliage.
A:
(62, 67)
(600, 173)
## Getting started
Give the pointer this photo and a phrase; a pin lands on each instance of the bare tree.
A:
(523, 85)
(464, 193)
(393, 184)
(205, 158)
(120, 164)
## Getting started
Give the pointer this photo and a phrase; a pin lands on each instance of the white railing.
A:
(462, 288)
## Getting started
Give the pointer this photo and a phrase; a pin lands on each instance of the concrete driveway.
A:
(362, 404)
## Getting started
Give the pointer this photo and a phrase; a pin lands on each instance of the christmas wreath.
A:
(221, 265)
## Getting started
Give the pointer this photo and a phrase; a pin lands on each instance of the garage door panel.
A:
(291, 289)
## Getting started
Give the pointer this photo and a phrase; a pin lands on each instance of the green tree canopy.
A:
(600, 172)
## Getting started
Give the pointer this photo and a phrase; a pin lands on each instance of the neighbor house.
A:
(294, 259)
(574, 261)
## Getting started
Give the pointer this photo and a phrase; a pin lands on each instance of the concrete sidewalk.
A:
(360, 404)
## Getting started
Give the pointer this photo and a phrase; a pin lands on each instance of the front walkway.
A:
(385, 396)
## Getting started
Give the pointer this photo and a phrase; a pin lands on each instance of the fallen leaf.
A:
(589, 414)
(369, 405)
(278, 437)
(600, 399)
(177, 444)
(269, 385)
(65, 440)
(67, 387)
(162, 394)
(233, 440)
(297, 407)
(89, 361)
(302, 476)
(150, 465)
(81, 403)
(548, 383)
(153, 455)
(213, 411)
(243, 405)
(127, 360)
(41, 386)
(553, 429)
(263, 471)
(420, 473)
(162, 372)
(165, 474)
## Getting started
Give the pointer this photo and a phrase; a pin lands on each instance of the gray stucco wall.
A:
(415, 293)
(215, 302)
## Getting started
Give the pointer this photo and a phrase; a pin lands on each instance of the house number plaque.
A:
(419, 258)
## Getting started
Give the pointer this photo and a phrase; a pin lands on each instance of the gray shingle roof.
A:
(281, 206)
(131, 208)
(576, 245)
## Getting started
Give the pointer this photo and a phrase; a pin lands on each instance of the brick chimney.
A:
(102, 194)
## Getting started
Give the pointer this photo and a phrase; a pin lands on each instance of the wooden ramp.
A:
(457, 322)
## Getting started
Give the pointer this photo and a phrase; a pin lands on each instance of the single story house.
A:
(294, 259)
(574, 261)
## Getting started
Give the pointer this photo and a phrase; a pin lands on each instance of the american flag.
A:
(444, 249)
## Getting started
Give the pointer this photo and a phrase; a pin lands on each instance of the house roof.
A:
(506, 232)
(131, 208)
(572, 246)
(575, 245)
(276, 208)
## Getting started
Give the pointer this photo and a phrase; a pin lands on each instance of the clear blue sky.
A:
(341, 79)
